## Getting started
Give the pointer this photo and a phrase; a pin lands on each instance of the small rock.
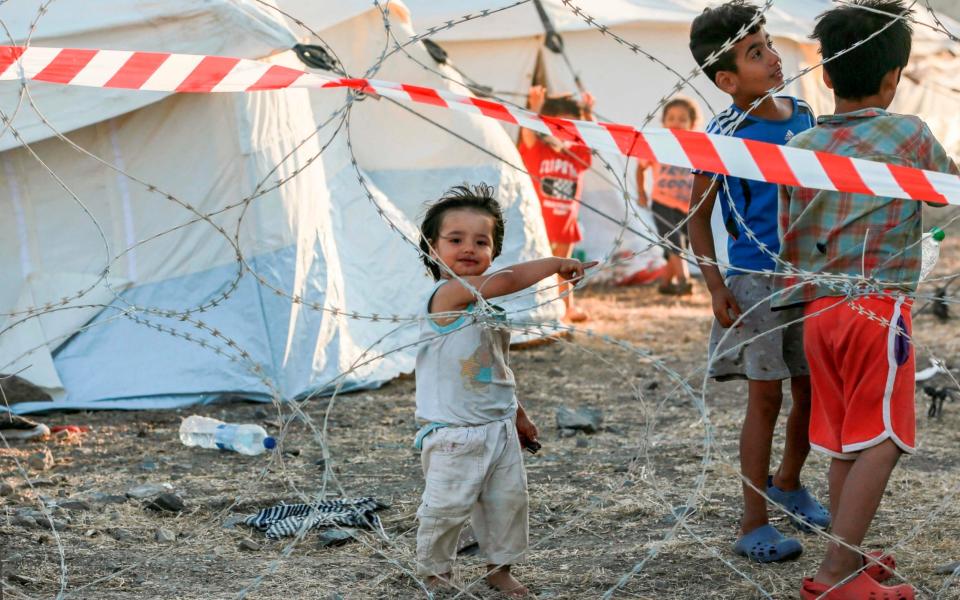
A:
(248, 544)
(24, 521)
(60, 525)
(90, 533)
(78, 505)
(6, 489)
(167, 502)
(582, 442)
(165, 536)
(584, 419)
(43, 539)
(109, 498)
(467, 545)
(139, 579)
(41, 461)
(555, 372)
(565, 433)
(291, 451)
(321, 462)
(148, 490)
(148, 465)
(233, 520)
(42, 482)
(120, 534)
(652, 385)
(677, 513)
(335, 537)
(948, 568)
(21, 579)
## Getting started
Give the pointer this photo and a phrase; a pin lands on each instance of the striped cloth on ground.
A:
(285, 520)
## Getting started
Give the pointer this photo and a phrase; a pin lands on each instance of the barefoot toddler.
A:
(466, 393)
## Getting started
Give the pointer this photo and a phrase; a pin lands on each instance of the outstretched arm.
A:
(454, 296)
(588, 102)
(535, 99)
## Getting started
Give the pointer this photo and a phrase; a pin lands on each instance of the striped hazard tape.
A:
(158, 71)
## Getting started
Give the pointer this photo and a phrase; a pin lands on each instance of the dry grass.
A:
(597, 502)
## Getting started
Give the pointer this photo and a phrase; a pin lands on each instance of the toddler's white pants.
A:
(474, 472)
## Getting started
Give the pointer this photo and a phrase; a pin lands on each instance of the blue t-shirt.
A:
(755, 201)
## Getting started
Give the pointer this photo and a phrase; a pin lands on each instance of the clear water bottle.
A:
(212, 433)
(930, 251)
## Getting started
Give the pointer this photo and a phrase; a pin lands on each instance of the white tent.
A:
(101, 229)
(502, 51)
(411, 155)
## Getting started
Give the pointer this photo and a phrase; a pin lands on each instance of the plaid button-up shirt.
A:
(839, 237)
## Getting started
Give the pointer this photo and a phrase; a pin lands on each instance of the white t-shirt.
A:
(462, 373)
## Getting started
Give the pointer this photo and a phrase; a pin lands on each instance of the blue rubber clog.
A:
(805, 511)
(765, 544)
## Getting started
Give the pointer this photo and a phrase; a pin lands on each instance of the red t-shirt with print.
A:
(558, 179)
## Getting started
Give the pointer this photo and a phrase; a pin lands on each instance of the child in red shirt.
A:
(671, 197)
(557, 169)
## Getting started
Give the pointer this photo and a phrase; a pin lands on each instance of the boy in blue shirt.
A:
(760, 347)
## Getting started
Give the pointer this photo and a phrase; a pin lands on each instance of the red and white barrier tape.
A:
(157, 71)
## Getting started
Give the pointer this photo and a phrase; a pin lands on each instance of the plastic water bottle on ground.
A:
(930, 251)
(212, 433)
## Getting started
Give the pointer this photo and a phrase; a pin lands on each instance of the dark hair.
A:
(716, 26)
(684, 103)
(858, 73)
(477, 198)
(558, 106)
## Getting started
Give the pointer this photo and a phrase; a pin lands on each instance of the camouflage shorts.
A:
(778, 351)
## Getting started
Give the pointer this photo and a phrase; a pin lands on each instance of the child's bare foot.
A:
(501, 580)
(436, 583)
(575, 315)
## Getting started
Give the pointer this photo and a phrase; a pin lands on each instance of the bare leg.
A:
(797, 445)
(677, 269)
(862, 490)
(756, 437)
(499, 577)
(683, 270)
(839, 469)
(670, 271)
(573, 314)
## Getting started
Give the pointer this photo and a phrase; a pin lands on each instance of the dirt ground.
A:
(600, 503)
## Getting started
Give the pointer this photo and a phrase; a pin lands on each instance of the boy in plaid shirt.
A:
(857, 328)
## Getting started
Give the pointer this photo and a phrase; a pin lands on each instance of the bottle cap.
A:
(269, 443)
(937, 234)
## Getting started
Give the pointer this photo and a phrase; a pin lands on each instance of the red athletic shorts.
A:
(861, 373)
